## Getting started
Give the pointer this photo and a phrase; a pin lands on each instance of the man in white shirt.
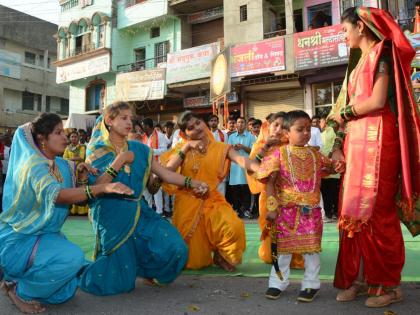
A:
(158, 142)
(316, 139)
(220, 136)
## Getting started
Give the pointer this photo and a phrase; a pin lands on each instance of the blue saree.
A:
(131, 239)
(33, 252)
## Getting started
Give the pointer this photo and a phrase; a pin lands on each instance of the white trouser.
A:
(310, 277)
(222, 188)
(167, 198)
(158, 198)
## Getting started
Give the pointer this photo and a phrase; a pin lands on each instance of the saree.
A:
(131, 239)
(257, 187)
(69, 153)
(211, 224)
(382, 161)
(33, 252)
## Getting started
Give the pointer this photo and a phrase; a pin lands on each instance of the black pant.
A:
(241, 198)
(330, 189)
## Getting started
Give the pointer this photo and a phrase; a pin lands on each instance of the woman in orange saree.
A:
(381, 149)
(209, 226)
(270, 138)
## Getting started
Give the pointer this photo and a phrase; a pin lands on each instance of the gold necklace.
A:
(55, 171)
(122, 149)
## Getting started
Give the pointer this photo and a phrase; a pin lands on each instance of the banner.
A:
(141, 85)
(190, 64)
(84, 69)
(10, 64)
(322, 47)
(259, 57)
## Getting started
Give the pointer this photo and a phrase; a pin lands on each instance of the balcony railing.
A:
(144, 64)
(84, 49)
(275, 34)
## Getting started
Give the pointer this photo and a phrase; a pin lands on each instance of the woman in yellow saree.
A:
(210, 227)
(269, 139)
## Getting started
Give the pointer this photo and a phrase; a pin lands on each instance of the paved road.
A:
(220, 296)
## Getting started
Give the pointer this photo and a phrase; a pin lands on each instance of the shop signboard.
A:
(220, 82)
(259, 57)
(10, 64)
(141, 85)
(83, 69)
(199, 101)
(190, 64)
(322, 47)
(206, 15)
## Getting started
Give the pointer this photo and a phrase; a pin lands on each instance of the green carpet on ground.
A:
(79, 231)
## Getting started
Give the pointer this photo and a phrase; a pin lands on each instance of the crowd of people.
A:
(132, 174)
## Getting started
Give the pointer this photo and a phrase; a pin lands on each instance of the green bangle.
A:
(188, 182)
(88, 192)
(258, 157)
(111, 171)
(181, 155)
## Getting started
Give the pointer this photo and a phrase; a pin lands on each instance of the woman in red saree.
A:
(381, 149)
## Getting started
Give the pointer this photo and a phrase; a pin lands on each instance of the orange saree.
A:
(208, 225)
(382, 161)
(256, 187)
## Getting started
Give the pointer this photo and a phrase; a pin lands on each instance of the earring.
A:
(42, 146)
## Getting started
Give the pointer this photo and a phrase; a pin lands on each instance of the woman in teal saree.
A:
(132, 240)
(39, 265)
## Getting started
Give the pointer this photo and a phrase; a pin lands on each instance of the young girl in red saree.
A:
(381, 149)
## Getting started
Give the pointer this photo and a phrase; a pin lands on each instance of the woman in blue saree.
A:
(38, 264)
(132, 240)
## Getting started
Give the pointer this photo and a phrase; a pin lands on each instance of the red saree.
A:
(382, 158)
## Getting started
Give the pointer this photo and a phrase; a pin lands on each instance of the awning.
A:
(80, 121)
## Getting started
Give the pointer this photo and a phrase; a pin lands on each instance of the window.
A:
(48, 104)
(154, 32)
(324, 96)
(345, 4)
(243, 13)
(319, 15)
(101, 35)
(95, 93)
(69, 4)
(29, 100)
(161, 50)
(64, 106)
(30, 58)
(129, 3)
(139, 59)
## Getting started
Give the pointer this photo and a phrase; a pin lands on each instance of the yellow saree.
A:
(208, 225)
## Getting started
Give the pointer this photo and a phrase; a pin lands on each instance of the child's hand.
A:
(271, 216)
(339, 166)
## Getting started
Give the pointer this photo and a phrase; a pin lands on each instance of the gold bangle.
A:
(272, 204)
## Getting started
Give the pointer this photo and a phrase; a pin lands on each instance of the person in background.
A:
(231, 125)
(250, 122)
(316, 140)
(323, 122)
(83, 136)
(169, 132)
(256, 127)
(168, 200)
(242, 142)
(159, 128)
(157, 141)
(137, 133)
(416, 18)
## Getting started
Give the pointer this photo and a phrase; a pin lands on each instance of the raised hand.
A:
(117, 188)
(199, 188)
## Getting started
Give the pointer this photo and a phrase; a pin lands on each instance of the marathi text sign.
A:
(199, 101)
(259, 57)
(321, 47)
(190, 64)
(10, 64)
(141, 85)
(84, 69)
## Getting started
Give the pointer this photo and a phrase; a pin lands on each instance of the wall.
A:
(250, 30)
(78, 95)
(125, 41)
(141, 12)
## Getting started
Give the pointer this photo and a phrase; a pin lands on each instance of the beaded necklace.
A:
(293, 174)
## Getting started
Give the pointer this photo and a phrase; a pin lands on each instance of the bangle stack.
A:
(82, 182)
(188, 182)
(348, 113)
(111, 171)
(259, 157)
(181, 155)
(338, 141)
(88, 193)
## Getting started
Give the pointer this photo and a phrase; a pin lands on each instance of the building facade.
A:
(157, 54)
(27, 72)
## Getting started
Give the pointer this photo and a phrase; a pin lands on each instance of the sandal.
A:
(386, 299)
(350, 294)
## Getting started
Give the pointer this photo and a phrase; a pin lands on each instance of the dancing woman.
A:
(210, 227)
(131, 239)
(40, 265)
(381, 149)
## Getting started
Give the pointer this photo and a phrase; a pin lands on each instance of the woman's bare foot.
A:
(27, 307)
(222, 263)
